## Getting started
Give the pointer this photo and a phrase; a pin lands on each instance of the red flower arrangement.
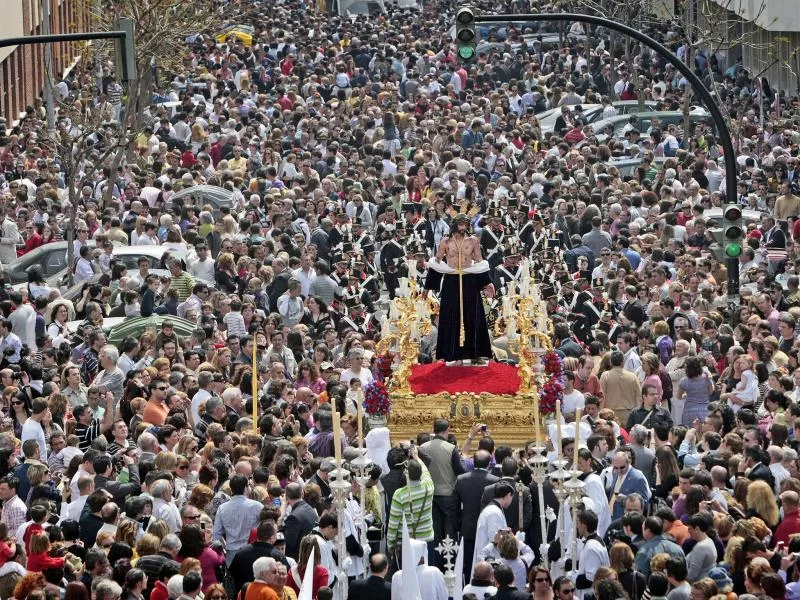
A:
(383, 367)
(553, 390)
(376, 399)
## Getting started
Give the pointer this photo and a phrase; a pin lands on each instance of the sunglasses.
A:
(542, 580)
(191, 517)
(569, 591)
(162, 389)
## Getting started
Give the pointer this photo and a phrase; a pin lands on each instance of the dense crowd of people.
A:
(348, 147)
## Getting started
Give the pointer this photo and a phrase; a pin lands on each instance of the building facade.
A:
(766, 35)
(22, 68)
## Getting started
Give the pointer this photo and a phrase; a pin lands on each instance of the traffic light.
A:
(732, 231)
(125, 51)
(466, 35)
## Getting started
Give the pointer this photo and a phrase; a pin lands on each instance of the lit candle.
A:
(577, 437)
(558, 429)
(361, 417)
(412, 268)
(337, 437)
(385, 330)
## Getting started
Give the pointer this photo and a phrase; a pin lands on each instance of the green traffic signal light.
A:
(733, 250)
(466, 52)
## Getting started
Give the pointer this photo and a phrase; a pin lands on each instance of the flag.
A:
(458, 586)
(409, 571)
(307, 587)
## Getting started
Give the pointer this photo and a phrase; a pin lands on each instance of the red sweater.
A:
(42, 561)
(788, 527)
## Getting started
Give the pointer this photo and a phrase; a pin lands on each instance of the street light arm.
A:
(723, 133)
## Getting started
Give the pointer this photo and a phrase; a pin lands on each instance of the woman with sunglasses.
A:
(540, 585)
(17, 408)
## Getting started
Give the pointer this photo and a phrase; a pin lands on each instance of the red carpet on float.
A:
(496, 378)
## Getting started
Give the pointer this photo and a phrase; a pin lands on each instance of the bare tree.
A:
(89, 136)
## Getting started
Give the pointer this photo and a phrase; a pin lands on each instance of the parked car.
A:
(665, 118)
(51, 257)
(198, 195)
(594, 112)
(128, 255)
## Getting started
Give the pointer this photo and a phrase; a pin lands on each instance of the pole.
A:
(62, 37)
(254, 377)
(48, 69)
(699, 88)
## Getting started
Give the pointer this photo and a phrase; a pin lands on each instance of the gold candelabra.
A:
(528, 331)
(408, 321)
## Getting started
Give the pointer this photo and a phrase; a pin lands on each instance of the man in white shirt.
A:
(573, 399)
(73, 510)
(305, 274)
(23, 319)
(32, 429)
(203, 267)
(163, 506)
(626, 344)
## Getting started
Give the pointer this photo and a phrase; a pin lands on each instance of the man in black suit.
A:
(509, 471)
(756, 461)
(241, 568)
(104, 478)
(374, 587)
(280, 283)
(300, 521)
(321, 476)
(468, 489)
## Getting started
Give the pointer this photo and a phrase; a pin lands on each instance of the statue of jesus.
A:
(459, 273)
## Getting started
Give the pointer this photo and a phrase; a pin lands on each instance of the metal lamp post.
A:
(340, 488)
(559, 478)
(361, 466)
(575, 490)
(538, 465)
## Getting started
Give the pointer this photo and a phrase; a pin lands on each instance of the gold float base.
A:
(509, 419)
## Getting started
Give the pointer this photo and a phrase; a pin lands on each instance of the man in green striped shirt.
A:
(182, 282)
(416, 501)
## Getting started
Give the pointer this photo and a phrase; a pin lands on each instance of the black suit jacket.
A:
(510, 593)
(392, 481)
(120, 490)
(469, 488)
(241, 568)
(512, 512)
(323, 485)
(279, 285)
(762, 472)
(372, 588)
(298, 524)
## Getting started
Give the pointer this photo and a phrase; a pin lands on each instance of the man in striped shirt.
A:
(416, 501)
(182, 282)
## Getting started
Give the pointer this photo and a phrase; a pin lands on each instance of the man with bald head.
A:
(469, 488)
(304, 395)
(482, 582)
(790, 525)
